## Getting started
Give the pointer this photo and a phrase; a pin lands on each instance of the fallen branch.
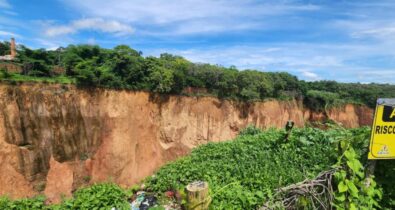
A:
(318, 191)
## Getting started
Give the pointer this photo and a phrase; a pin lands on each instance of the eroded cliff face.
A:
(54, 139)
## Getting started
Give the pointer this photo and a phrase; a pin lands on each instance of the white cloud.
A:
(368, 20)
(9, 12)
(8, 34)
(290, 55)
(377, 32)
(310, 75)
(330, 41)
(198, 27)
(180, 17)
(96, 24)
(91, 41)
(50, 44)
(4, 4)
(307, 61)
(368, 27)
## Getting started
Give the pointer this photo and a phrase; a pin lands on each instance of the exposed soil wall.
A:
(54, 139)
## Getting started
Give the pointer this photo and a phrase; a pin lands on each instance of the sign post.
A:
(382, 140)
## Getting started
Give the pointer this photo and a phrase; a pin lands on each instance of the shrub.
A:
(22, 204)
(245, 172)
(4, 74)
(99, 196)
(250, 130)
(321, 100)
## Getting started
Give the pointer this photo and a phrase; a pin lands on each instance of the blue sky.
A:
(343, 40)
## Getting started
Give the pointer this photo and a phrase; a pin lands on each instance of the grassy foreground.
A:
(244, 173)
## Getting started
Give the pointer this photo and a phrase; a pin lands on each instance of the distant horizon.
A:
(273, 70)
(343, 41)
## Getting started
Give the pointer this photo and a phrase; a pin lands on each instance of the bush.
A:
(22, 204)
(321, 100)
(245, 172)
(99, 196)
(250, 130)
(4, 74)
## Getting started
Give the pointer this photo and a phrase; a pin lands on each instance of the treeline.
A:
(125, 68)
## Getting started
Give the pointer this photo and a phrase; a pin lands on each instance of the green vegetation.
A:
(353, 192)
(22, 204)
(26, 78)
(334, 93)
(245, 173)
(125, 68)
(4, 48)
(99, 196)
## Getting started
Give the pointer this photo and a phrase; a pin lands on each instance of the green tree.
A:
(4, 48)
(161, 79)
(127, 64)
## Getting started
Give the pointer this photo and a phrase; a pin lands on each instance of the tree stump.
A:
(198, 196)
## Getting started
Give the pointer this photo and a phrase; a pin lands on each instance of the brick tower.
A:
(13, 48)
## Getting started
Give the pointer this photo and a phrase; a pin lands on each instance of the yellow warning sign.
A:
(382, 140)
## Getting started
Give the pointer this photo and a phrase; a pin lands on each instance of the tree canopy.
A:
(125, 68)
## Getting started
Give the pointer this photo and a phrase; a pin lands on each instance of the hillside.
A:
(51, 131)
(125, 68)
(85, 114)
(248, 171)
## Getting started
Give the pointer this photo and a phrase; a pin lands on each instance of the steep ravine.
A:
(54, 139)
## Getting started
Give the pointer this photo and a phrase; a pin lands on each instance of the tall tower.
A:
(13, 48)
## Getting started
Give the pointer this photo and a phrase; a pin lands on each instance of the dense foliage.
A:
(22, 204)
(4, 48)
(333, 93)
(355, 189)
(125, 68)
(99, 196)
(246, 172)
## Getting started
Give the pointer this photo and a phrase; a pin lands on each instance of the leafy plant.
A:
(99, 196)
(385, 177)
(243, 173)
(354, 190)
(250, 130)
(22, 204)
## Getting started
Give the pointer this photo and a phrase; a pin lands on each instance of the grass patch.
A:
(14, 77)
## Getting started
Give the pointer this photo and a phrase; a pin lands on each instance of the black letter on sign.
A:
(389, 114)
(377, 129)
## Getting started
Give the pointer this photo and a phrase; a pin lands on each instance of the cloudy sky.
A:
(343, 40)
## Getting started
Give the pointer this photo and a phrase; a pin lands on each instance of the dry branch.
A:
(318, 191)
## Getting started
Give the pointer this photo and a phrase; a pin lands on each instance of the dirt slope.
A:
(54, 138)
